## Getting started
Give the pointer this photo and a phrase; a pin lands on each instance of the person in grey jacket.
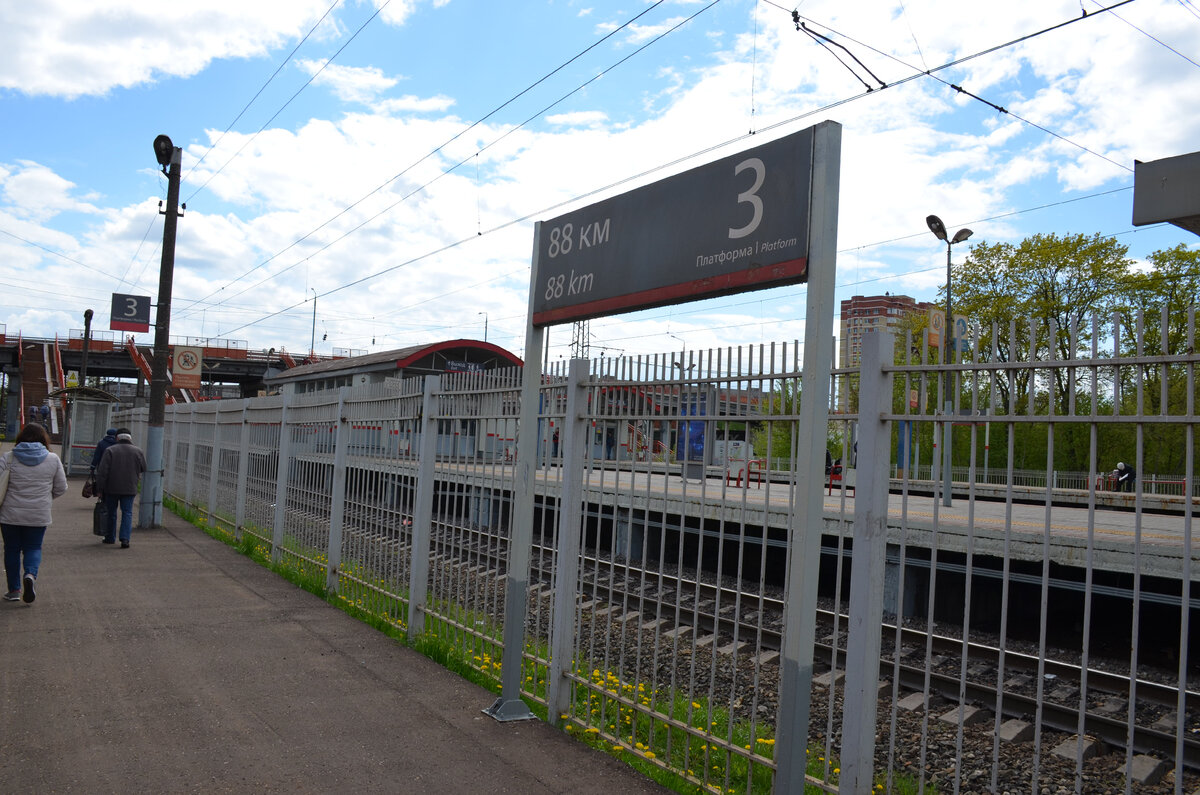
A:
(35, 479)
(117, 478)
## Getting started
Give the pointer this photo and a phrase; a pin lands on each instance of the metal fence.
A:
(664, 582)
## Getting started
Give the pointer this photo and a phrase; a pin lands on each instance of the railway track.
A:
(733, 614)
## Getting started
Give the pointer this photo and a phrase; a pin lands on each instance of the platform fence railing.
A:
(658, 596)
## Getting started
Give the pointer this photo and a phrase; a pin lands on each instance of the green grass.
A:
(608, 713)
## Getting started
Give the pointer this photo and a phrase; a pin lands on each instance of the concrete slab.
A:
(968, 715)
(829, 678)
(1145, 769)
(1015, 730)
(1068, 747)
(912, 702)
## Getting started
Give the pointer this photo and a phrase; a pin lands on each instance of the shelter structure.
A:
(451, 356)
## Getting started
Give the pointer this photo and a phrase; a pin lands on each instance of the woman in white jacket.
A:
(35, 479)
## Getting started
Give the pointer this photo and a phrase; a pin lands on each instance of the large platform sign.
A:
(739, 223)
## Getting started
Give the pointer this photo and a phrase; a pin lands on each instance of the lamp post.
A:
(939, 230)
(312, 343)
(484, 324)
(170, 158)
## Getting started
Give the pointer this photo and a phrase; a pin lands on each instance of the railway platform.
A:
(178, 665)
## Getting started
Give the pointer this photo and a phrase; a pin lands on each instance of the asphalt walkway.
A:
(178, 665)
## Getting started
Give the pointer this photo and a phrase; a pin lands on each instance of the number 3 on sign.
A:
(750, 196)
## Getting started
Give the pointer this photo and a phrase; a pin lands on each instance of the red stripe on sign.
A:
(124, 325)
(710, 286)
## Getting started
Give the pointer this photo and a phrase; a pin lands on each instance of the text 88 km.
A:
(564, 239)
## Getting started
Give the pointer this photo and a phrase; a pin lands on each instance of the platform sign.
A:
(130, 313)
(739, 223)
(187, 366)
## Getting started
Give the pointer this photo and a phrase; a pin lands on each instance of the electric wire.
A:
(666, 165)
(292, 98)
(1155, 39)
(439, 148)
(257, 94)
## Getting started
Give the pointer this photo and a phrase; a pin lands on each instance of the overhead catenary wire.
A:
(442, 146)
(290, 99)
(693, 155)
(253, 99)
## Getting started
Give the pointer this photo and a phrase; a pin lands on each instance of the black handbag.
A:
(89, 487)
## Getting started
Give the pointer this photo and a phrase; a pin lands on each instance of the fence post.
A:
(509, 705)
(214, 466)
(283, 469)
(570, 525)
(239, 511)
(807, 506)
(867, 567)
(337, 500)
(422, 526)
(189, 477)
(170, 447)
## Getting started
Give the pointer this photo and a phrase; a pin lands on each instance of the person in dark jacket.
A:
(110, 438)
(1126, 476)
(117, 478)
(35, 479)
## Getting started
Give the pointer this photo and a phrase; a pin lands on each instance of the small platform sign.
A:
(130, 313)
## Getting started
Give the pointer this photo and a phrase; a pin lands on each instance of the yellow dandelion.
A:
(650, 754)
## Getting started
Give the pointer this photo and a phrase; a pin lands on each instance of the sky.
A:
(366, 175)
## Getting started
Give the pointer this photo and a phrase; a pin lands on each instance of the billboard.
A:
(739, 223)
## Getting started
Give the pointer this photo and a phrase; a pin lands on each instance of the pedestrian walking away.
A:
(35, 479)
(110, 438)
(117, 478)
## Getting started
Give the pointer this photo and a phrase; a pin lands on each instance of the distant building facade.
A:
(864, 313)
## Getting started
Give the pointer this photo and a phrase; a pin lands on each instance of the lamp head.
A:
(961, 235)
(163, 149)
(936, 226)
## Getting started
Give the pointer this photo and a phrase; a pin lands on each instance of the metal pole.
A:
(150, 511)
(947, 398)
(312, 343)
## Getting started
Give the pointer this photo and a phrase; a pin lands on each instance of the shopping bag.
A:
(100, 518)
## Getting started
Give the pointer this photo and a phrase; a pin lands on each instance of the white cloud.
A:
(361, 84)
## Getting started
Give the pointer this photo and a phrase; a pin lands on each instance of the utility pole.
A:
(150, 512)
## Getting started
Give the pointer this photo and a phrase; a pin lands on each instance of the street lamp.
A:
(312, 343)
(484, 324)
(939, 230)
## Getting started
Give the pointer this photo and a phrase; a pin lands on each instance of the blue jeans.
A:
(111, 501)
(21, 540)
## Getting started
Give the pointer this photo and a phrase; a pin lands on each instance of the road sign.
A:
(130, 313)
(188, 366)
(739, 223)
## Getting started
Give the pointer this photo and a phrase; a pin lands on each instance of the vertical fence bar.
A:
(279, 520)
(570, 525)
(867, 572)
(243, 481)
(189, 478)
(214, 468)
(418, 572)
(337, 502)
